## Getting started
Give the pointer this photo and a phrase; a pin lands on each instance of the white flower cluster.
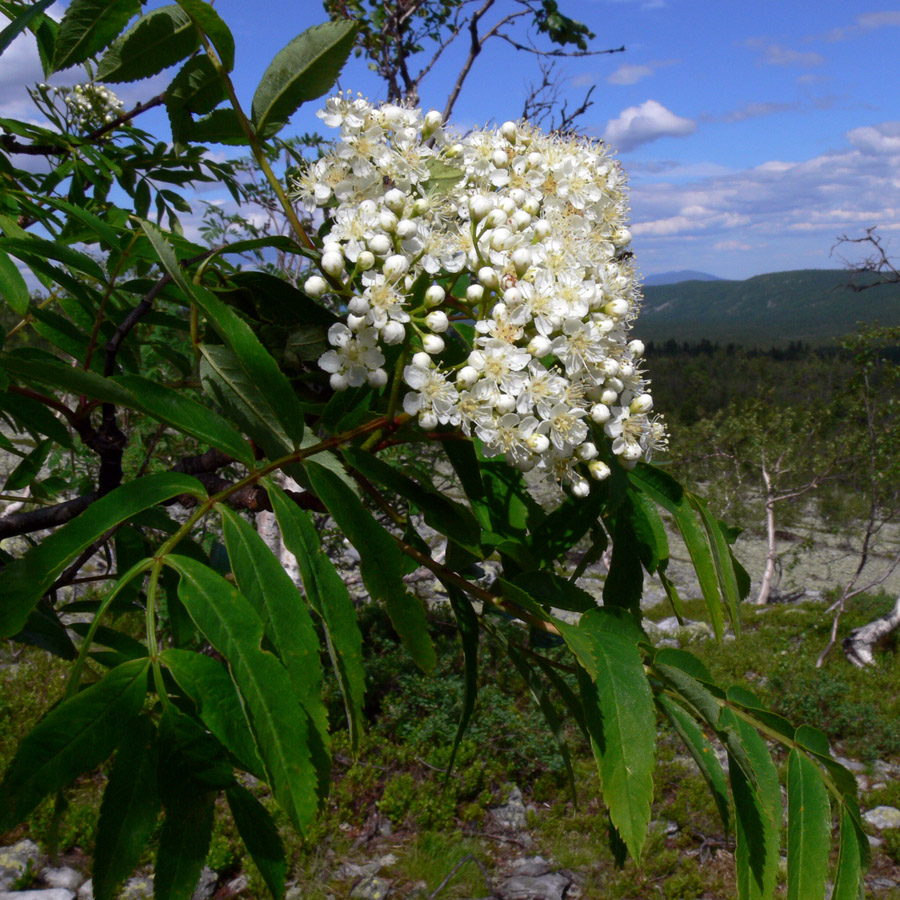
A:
(518, 232)
(90, 105)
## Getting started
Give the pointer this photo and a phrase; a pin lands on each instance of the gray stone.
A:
(67, 878)
(882, 770)
(874, 841)
(14, 861)
(86, 891)
(881, 884)
(236, 886)
(531, 866)
(349, 870)
(512, 815)
(883, 817)
(206, 886)
(139, 888)
(854, 765)
(547, 887)
(371, 888)
(51, 894)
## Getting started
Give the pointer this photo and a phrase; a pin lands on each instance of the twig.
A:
(456, 868)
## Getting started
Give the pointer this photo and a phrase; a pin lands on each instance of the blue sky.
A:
(753, 134)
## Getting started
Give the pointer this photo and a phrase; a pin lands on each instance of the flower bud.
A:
(488, 277)
(422, 359)
(432, 344)
(636, 348)
(377, 378)
(365, 261)
(393, 333)
(388, 221)
(479, 207)
(315, 286)
(632, 452)
(615, 384)
(354, 323)
(421, 206)
(380, 244)
(541, 229)
(466, 376)
(406, 229)
(395, 200)
(433, 121)
(617, 308)
(581, 487)
(505, 404)
(437, 321)
(586, 451)
(509, 131)
(435, 295)
(520, 219)
(332, 263)
(531, 206)
(359, 306)
(600, 413)
(621, 237)
(474, 293)
(495, 217)
(535, 159)
(609, 397)
(538, 443)
(609, 367)
(499, 159)
(599, 470)
(539, 346)
(338, 382)
(643, 403)
(428, 421)
(508, 205)
(512, 296)
(395, 266)
(521, 260)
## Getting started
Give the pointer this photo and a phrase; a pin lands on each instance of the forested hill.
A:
(810, 305)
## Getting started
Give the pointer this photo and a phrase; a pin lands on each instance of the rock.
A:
(512, 815)
(522, 887)
(883, 817)
(206, 886)
(67, 878)
(874, 841)
(881, 884)
(882, 770)
(862, 782)
(666, 826)
(51, 894)
(348, 870)
(139, 888)
(854, 765)
(234, 887)
(533, 866)
(86, 891)
(14, 861)
(371, 888)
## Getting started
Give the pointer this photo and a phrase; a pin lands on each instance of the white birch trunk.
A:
(861, 642)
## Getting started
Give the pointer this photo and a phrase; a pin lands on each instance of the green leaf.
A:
(186, 415)
(20, 23)
(702, 752)
(848, 879)
(278, 721)
(281, 403)
(467, 623)
(625, 580)
(88, 27)
(209, 21)
(620, 716)
(24, 581)
(196, 88)
(260, 837)
(33, 415)
(381, 562)
(757, 813)
(72, 738)
(809, 829)
(29, 467)
(210, 688)
(328, 596)
(183, 844)
(13, 288)
(129, 809)
(304, 70)
(278, 603)
(442, 178)
(159, 39)
(36, 250)
(221, 126)
(440, 512)
(554, 591)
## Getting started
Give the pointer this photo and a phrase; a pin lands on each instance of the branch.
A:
(45, 517)
(877, 263)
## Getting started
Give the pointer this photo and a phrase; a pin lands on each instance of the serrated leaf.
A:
(13, 288)
(129, 809)
(159, 39)
(809, 829)
(441, 177)
(215, 29)
(278, 603)
(702, 752)
(621, 719)
(381, 562)
(328, 596)
(183, 844)
(555, 591)
(196, 88)
(20, 23)
(209, 686)
(467, 624)
(36, 250)
(186, 415)
(278, 721)
(722, 559)
(25, 580)
(848, 878)
(221, 126)
(88, 27)
(304, 70)
(28, 467)
(72, 738)
(260, 837)
(757, 813)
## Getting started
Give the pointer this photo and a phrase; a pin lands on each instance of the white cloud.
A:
(642, 124)
(869, 21)
(883, 140)
(774, 54)
(629, 74)
(758, 110)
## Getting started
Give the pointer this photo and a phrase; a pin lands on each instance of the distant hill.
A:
(676, 277)
(810, 305)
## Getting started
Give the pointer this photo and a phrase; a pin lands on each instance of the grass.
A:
(399, 772)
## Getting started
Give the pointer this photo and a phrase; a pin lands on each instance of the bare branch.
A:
(877, 263)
